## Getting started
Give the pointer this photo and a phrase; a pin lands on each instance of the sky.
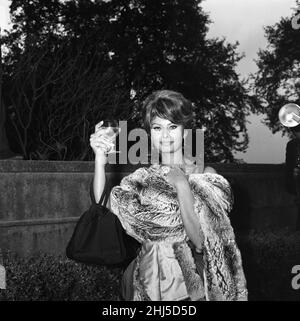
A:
(242, 21)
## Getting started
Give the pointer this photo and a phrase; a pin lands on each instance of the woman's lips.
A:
(166, 143)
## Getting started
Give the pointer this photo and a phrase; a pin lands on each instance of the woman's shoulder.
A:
(209, 169)
(201, 169)
(138, 174)
(141, 170)
(207, 176)
(134, 178)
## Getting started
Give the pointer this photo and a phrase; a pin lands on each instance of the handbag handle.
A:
(105, 193)
(104, 196)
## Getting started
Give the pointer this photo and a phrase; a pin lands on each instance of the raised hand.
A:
(100, 143)
(176, 176)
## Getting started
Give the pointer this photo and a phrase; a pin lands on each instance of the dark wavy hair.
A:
(169, 105)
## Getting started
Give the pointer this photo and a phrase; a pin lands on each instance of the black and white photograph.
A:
(149, 151)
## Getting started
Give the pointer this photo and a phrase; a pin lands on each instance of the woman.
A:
(177, 211)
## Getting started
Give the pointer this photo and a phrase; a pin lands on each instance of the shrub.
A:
(268, 258)
(48, 277)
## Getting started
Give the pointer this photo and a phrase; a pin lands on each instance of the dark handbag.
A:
(99, 237)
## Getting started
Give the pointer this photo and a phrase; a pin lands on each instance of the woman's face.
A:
(166, 136)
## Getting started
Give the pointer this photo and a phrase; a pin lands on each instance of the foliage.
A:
(54, 96)
(147, 45)
(277, 81)
(268, 258)
(45, 277)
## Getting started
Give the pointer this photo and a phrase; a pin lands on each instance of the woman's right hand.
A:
(100, 143)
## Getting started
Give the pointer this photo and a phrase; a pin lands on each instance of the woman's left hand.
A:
(176, 177)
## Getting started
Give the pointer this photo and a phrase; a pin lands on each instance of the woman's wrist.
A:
(101, 159)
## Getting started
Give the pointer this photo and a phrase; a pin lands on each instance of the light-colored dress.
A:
(165, 268)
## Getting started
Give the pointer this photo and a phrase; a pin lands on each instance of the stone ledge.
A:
(16, 223)
(42, 200)
(88, 166)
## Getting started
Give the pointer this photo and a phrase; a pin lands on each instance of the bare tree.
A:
(56, 97)
(5, 151)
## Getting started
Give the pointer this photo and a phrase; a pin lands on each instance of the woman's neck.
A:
(172, 159)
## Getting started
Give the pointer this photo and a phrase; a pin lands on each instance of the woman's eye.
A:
(173, 127)
(156, 128)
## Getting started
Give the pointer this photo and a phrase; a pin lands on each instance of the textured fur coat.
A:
(167, 268)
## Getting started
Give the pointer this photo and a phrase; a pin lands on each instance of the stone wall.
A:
(41, 201)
